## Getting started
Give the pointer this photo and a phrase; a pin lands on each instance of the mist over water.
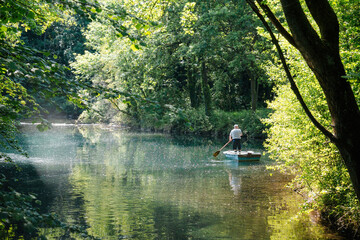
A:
(124, 185)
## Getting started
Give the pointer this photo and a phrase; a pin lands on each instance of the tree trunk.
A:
(322, 56)
(206, 89)
(192, 87)
(254, 93)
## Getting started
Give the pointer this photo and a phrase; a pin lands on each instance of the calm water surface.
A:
(123, 185)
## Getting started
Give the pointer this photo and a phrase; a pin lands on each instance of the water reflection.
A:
(235, 182)
(125, 185)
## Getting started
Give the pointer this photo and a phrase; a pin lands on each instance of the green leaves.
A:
(28, 76)
(298, 145)
(135, 47)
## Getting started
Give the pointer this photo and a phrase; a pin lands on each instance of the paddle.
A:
(217, 152)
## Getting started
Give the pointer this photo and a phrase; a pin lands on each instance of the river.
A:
(125, 185)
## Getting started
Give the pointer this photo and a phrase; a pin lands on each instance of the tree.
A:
(321, 53)
(223, 36)
(26, 73)
(201, 52)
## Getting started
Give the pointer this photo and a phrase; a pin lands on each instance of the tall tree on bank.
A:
(321, 53)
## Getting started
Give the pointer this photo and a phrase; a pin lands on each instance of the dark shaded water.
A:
(125, 185)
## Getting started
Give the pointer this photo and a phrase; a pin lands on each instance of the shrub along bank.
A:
(190, 121)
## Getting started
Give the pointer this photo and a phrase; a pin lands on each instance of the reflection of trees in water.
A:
(150, 186)
(118, 186)
(171, 222)
(282, 213)
(148, 180)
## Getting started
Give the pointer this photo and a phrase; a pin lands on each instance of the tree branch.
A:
(117, 106)
(327, 21)
(306, 38)
(276, 23)
(293, 85)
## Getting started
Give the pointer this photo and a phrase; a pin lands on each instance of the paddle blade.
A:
(216, 153)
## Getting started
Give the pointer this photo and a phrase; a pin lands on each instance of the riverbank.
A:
(190, 122)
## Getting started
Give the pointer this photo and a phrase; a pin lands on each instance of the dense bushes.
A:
(300, 148)
(180, 121)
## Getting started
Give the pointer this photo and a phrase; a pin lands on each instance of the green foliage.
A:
(200, 56)
(26, 76)
(349, 40)
(193, 121)
(249, 122)
(14, 100)
(101, 112)
(300, 148)
(303, 151)
(26, 14)
(29, 78)
(159, 66)
(19, 216)
(61, 41)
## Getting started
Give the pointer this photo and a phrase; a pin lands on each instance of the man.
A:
(235, 136)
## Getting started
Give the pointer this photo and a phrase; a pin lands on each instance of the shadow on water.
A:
(24, 178)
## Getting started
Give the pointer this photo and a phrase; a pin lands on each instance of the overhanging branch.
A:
(276, 23)
(293, 85)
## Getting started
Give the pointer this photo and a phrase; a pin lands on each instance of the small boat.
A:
(243, 156)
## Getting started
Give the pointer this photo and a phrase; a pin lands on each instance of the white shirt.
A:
(236, 133)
